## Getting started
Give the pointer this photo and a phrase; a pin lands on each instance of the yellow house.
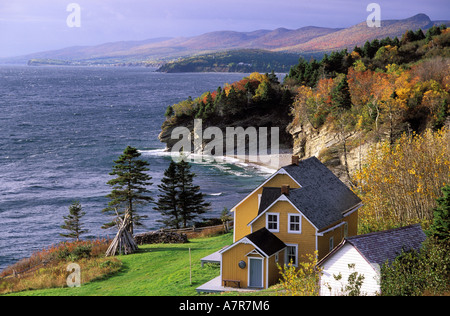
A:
(300, 209)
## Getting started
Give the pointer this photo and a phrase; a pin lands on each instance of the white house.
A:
(365, 254)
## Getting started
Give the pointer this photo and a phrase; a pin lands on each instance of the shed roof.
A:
(379, 247)
(266, 241)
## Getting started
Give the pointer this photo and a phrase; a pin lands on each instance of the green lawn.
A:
(157, 270)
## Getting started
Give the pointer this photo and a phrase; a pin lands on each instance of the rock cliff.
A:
(342, 153)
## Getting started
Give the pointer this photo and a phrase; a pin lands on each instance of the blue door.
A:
(255, 272)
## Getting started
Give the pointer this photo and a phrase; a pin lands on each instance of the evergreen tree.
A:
(209, 106)
(418, 35)
(167, 203)
(72, 222)
(273, 78)
(408, 37)
(129, 187)
(341, 95)
(179, 201)
(200, 110)
(219, 102)
(169, 112)
(191, 201)
(370, 48)
(231, 103)
(440, 228)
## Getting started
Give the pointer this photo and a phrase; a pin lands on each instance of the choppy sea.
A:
(61, 129)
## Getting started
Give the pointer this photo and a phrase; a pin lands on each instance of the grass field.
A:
(157, 270)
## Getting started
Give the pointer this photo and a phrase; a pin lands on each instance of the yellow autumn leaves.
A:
(399, 183)
(302, 280)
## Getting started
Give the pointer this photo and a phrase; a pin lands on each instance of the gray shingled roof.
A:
(387, 245)
(266, 241)
(268, 196)
(322, 198)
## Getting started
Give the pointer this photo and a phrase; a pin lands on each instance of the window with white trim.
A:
(294, 223)
(292, 254)
(272, 222)
(331, 243)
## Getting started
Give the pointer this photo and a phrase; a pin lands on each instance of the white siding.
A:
(338, 263)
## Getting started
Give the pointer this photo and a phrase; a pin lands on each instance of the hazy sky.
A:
(28, 26)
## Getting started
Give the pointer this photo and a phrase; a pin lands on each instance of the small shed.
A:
(256, 257)
(365, 254)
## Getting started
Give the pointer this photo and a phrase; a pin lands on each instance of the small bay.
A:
(61, 129)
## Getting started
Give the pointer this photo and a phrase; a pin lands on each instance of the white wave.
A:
(156, 152)
(216, 194)
(223, 163)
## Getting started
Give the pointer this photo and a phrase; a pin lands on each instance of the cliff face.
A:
(268, 121)
(342, 153)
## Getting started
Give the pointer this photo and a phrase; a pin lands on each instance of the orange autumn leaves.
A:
(401, 176)
(382, 100)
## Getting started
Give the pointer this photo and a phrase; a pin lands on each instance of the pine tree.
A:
(190, 200)
(128, 188)
(366, 50)
(231, 104)
(167, 203)
(179, 201)
(72, 222)
(440, 228)
(209, 106)
(341, 95)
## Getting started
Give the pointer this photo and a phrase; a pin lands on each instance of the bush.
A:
(301, 281)
(426, 272)
(48, 268)
(79, 252)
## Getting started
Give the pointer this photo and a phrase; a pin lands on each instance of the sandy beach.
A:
(271, 162)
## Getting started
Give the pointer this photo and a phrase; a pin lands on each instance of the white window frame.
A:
(331, 243)
(295, 264)
(299, 231)
(277, 230)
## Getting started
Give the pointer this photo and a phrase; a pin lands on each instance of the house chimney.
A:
(295, 160)
(285, 189)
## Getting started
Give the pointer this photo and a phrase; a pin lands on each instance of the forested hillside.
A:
(244, 60)
(255, 101)
(384, 88)
(381, 90)
(379, 118)
(361, 112)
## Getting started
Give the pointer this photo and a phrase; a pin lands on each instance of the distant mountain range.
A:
(309, 39)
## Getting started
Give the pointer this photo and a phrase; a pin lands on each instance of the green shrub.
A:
(417, 273)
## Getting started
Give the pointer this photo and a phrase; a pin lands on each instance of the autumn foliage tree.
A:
(302, 280)
(399, 184)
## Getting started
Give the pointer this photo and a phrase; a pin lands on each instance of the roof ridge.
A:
(381, 232)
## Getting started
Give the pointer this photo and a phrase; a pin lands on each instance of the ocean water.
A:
(62, 127)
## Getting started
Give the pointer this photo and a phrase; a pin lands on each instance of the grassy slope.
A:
(157, 270)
